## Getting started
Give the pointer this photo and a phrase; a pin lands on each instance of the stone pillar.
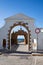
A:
(28, 41)
(10, 41)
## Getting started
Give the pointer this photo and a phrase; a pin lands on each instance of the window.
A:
(4, 43)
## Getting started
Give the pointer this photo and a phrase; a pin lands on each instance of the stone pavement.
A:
(20, 47)
(20, 60)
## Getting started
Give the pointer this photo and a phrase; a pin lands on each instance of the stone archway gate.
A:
(24, 25)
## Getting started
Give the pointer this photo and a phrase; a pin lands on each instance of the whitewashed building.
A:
(28, 23)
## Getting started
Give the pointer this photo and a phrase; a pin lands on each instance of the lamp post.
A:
(37, 31)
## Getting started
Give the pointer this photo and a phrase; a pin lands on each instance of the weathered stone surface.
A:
(21, 60)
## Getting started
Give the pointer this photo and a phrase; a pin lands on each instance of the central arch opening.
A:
(19, 38)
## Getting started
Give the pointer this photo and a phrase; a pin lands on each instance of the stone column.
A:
(10, 41)
(28, 41)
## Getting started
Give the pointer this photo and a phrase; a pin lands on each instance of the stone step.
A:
(20, 47)
(37, 53)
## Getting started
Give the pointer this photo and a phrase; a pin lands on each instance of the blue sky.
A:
(19, 27)
(32, 8)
